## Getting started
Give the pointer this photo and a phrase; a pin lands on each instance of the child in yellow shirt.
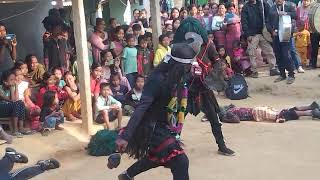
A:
(302, 39)
(162, 50)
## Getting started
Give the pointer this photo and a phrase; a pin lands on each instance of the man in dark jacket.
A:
(252, 26)
(282, 49)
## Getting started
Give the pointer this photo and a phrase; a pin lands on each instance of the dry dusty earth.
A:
(265, 151)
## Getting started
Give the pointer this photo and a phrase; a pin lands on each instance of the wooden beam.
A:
(155, 22)
(80, 34)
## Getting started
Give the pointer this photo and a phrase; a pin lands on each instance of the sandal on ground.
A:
(45, 132)
(17, 134)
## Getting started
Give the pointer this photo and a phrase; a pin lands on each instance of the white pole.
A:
(83, 64)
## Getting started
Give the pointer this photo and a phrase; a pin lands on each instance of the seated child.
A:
(95, 78)
(107, 108)
(106, 62)
(24, 71)
(134, 95)
(24, 94)
(227, 71)
(71, 107)
(240, 64)
(51, 116)
(10, 105)
(119, 91)
(58, 73)
(232, 114)
(50, 84)
(111, 66)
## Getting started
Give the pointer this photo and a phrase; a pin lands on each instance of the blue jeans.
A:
(294, 55)
(53, 121)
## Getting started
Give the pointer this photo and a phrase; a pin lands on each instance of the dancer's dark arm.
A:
(149, 94)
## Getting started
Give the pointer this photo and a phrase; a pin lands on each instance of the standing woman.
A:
(218, 26)
(233, 30)
(98, 40)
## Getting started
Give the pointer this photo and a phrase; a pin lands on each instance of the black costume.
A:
(149, 134)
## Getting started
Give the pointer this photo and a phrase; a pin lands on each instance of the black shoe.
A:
(15, 156)
(280, 78)
(254, 75)
(223, 150)
(315, 114)
(274, 72)
(290, 80)
(314, 105)
(124, 176)
(48, 164)
(114, 160)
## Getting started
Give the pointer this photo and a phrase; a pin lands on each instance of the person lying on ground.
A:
(12, 156)
(233, 114)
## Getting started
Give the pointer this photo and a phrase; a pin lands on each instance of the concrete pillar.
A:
(80, 34)
(155, 22)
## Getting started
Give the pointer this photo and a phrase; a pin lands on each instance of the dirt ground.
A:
(264, 151)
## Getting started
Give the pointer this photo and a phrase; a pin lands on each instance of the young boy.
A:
(119, 91)
(302, 39)
(162, 50)
(232, 114)
(133, 97)
(144, 57)
(107, 108)
(129, 60)
(136, 28)
(148, 36)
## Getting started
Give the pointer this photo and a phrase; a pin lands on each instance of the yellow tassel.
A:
(172, 103)
(184, 102)
(180, 117)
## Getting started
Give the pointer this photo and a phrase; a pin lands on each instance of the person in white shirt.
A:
(107, 108)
